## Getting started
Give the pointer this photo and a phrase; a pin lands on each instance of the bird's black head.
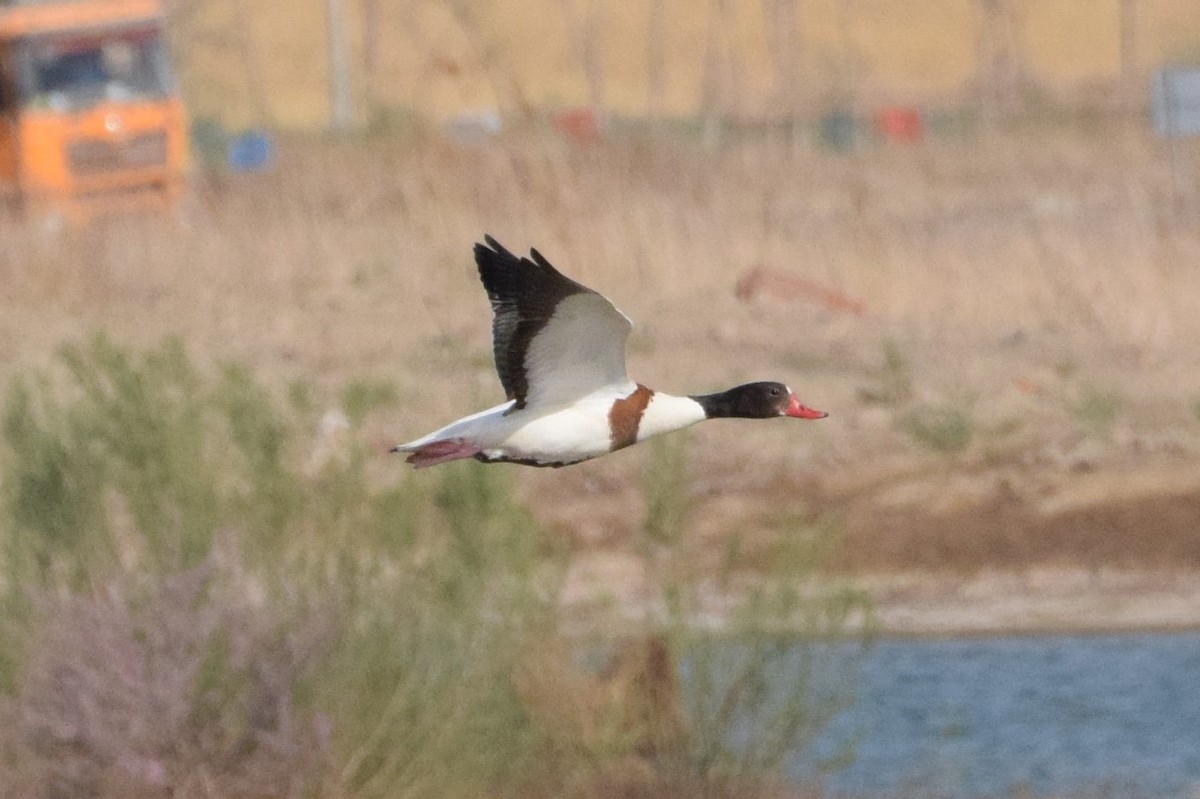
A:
(763, 400)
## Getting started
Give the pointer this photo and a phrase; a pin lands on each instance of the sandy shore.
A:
(1008, 546)
(612, 590)
(1043, 600)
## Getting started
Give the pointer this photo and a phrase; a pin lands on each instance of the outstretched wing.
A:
(553, 339)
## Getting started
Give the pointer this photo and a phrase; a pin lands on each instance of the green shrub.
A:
(156, 689)
(1096, 411)
(759, 687)
(363, 396)
(666, 488)
(941, 428)
(295, 627)
(895, 377)
(125, 472)
(124, 465)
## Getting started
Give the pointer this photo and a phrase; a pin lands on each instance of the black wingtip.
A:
(491, 245)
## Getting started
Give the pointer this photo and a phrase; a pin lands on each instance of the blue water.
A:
(1112, 716)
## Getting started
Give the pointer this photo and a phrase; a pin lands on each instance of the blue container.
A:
(251, 151)
(837, 131)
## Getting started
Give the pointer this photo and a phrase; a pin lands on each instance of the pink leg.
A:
(442, 451)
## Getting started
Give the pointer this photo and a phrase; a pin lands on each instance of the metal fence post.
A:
(341, 108)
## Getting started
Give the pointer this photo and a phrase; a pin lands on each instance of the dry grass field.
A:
(1002, 330)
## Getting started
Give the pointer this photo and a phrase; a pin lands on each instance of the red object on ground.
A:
(776, 284)
(580, 125)
(901, 124)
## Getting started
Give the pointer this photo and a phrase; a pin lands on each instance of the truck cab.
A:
(89, 108)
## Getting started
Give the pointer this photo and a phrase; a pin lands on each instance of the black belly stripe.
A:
(626, 416)
(524, 461)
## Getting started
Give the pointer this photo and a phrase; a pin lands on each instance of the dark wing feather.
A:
(524, 294)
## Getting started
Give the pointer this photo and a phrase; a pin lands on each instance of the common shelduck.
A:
(560, 352)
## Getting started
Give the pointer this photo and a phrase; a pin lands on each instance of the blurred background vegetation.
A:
(269, 63)
(203, 598)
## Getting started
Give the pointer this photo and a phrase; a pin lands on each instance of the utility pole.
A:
(656, 62)
(341, 108)
(1130, 88)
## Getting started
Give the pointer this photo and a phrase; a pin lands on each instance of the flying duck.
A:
(559, 349)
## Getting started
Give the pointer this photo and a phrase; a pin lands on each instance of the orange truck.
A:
(89, 109)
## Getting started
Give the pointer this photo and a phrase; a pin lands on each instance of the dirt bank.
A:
(1002, 548)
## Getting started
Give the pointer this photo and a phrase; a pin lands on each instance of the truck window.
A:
(73, 72)
(8, 84)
